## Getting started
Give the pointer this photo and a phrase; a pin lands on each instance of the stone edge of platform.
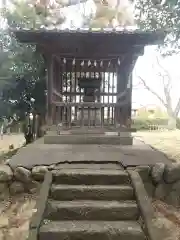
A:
(145, 206)
(40, 207)
(88, 139)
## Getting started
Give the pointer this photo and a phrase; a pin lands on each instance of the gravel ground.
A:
(16, 139)
(167, 142)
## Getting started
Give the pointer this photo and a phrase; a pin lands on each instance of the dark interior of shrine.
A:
(85, 87)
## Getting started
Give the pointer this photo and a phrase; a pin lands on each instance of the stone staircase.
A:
(88, 204)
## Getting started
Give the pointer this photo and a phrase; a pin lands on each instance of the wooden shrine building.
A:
(89, 82)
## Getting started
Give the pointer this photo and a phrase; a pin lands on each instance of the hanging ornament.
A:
(119, 62)
(64, 61)
(95, 63)
(82, 63)
(74, 62)
(101, 63)
(89, 63)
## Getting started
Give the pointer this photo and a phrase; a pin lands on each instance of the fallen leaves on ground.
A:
(15, 217)
(168, 219)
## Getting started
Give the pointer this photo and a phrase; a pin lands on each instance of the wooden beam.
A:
(70, 68)
(87, 104)
(82, 94)
(105, 52)
(101, 66)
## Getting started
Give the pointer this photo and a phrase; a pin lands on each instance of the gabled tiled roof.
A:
(135, 36)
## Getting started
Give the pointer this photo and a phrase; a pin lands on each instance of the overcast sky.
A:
(146, 67)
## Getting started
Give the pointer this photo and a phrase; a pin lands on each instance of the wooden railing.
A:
(73, 115)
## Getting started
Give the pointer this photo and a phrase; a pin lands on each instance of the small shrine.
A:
(91, 117)
(89, 77)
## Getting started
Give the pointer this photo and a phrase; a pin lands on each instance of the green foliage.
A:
(150, 15)
(144, 124)
(24, 15)
(5, 109)
(157, 113)
(178, 123)
(22, 69)
(142, 113)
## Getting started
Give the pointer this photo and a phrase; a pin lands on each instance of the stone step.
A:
(90, 176)
(89, 130)
(94, 166)
(91, 192)
(91, 230)
(88, 139)
(91, 210)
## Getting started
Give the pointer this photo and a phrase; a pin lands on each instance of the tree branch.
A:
(166, 85)
(165, 71)
(177, 108)
(152, 91)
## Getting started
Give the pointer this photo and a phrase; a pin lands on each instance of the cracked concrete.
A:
(39, 153)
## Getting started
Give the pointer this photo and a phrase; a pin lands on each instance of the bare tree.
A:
(165, 98)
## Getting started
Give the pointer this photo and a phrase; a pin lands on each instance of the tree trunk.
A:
(171, 119)
(172, 123)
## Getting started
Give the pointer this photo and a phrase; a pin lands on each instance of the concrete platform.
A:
(39, 153)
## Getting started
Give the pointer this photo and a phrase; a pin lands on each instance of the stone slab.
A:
(39, 153)
(94, 166)
(91, 210)
(90, 176)
(41, 203)
(152, 231)
(91, 230)
(88, 130)
(91, 192)
(88, 139)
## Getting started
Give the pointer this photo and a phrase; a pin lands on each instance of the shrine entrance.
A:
(89, 77)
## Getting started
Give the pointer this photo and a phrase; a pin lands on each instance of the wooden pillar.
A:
(124, 76)
(49, 90)
(58, 86)
(129, 105)
(54, 86)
